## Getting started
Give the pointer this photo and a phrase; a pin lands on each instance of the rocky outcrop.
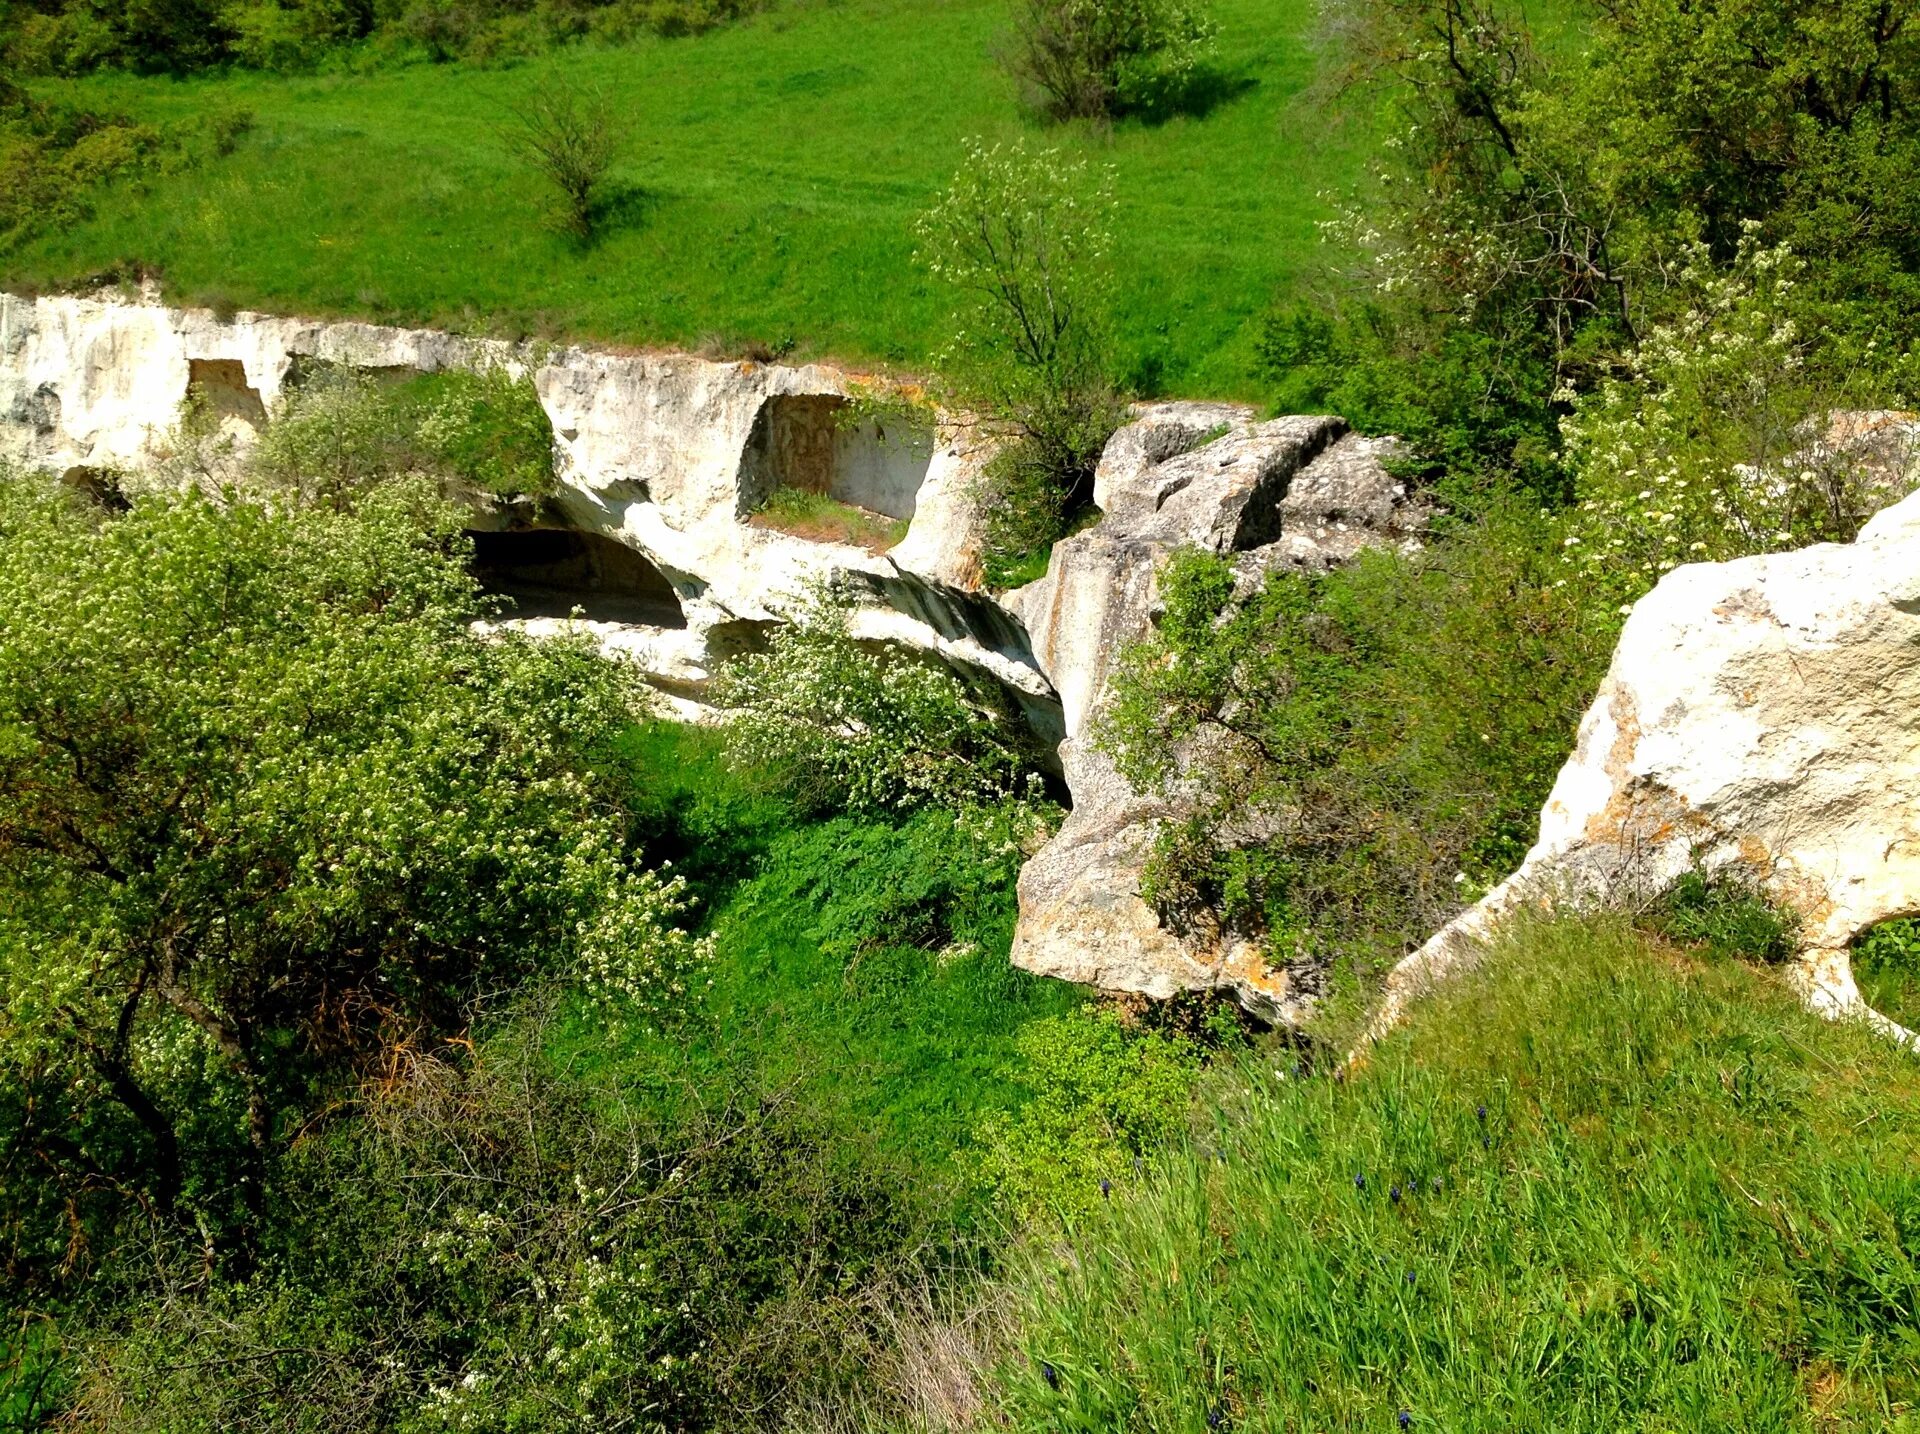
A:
(660, 460)
(1761, 717)
(663, 453)
(1292, 493)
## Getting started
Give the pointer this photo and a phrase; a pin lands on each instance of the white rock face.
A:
(664, 453)
(1292, 493)
(667, 455)
(1762, 717)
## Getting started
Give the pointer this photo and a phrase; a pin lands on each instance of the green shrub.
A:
(1022, 241)
(54, 158)
(843, 726)
(340, 432)
(609, 1253)
(485, 429)
(1594, 1187)
(268, 806)
(1886, 963)
(1096, 59)
(571, 137)
(1105, 1100)
(1725, 914)
(1378, 740)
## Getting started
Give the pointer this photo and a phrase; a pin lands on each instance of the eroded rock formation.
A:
(663, 453)
(663, 457)
(1761, 717)
(1299, 493)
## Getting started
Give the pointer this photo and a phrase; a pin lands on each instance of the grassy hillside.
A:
(1610, 1186)
(775, 171)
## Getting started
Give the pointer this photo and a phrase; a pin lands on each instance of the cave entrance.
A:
(221, 386)
(548, 572)
(809, 442)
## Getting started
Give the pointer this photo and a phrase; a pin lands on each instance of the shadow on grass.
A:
(1194, 95)
(620, 210)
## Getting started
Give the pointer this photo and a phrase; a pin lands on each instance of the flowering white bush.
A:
(850, 727)
(1715, 441)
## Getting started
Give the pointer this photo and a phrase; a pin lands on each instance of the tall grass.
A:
(1606, 1186)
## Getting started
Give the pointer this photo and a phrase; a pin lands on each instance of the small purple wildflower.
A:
(1051, 1375)
(1481, 1112)
(1404, 1418)
(1106, 1189)
(1359, 1182)
(1409, 1276)
(1215, 1419)
(1393, 1194)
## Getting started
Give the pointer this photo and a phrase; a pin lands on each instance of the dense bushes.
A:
(1602, 1185)
(1376, 742)
(340, 432)
(1537, 205)
(71, 37)
(53, 158)
(493, 1242)
(269, 810)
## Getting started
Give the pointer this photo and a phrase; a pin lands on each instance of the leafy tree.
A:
(570, 135)
(1022, 239)
(1093, 59)
(268, 807)
(1537, 203)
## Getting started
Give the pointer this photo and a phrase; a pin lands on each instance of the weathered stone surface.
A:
(1760, 717)
(1295, 492)
(664, 453)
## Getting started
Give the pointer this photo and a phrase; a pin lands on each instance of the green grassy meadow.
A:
(774, 174)
(1605, 1185)
(860, 962)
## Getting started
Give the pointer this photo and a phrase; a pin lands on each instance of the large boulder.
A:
(1761, 718)
(1291, 493)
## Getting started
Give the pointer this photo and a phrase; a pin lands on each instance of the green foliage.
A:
(1022, 241)
(1715, 441)
(1542, 207)
(1359, 783)
(1106, 1099)
(828, 520)
(485, 429)
(844, 726)
(1596, 1186)
(267, 805)
(341, 431)
(54, 159)
(1726, 915)
(1097, 59)
(72, 37)
(612, 1253)
(1886, 963)
(572, 138)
